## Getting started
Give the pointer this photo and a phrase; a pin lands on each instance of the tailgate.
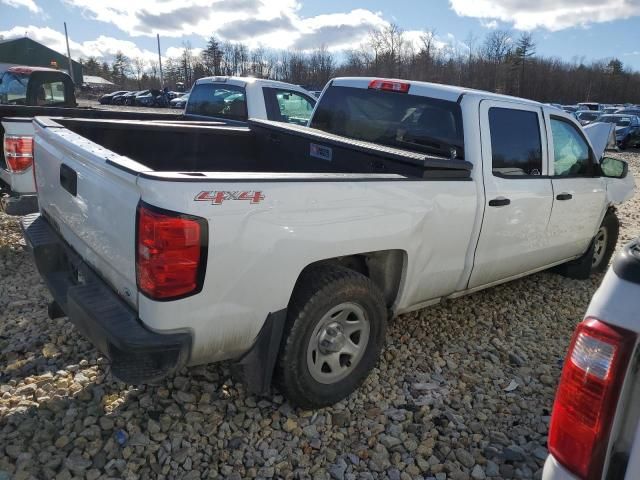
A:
(90, 196)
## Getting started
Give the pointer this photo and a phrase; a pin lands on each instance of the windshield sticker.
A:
(321, 152)
(218, 196)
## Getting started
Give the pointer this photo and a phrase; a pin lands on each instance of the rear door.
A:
(579, 193)
(518, 193)
(90, 196)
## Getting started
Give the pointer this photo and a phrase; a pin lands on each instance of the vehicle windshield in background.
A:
(618, 120)
(410, 122)
(587, 116)
(218, 100)
(13, 89)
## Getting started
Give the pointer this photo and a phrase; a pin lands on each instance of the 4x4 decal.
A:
(216, 197)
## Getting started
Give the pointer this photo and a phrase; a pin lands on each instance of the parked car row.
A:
(140, 98)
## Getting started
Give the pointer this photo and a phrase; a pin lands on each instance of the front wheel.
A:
(336, 323)
(596, 259)
(604, 243)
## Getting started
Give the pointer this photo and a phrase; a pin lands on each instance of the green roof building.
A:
(24, 51)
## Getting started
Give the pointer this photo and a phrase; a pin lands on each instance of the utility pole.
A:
(66, 36)
(160, 63)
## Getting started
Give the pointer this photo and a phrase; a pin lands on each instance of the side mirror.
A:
(613, 167)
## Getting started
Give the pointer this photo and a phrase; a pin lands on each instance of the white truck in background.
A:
(220, 99)
(595, 424)
(287, 248)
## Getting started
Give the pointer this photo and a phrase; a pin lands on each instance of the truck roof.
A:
(242, 81)
(28, 69)
(433, 90)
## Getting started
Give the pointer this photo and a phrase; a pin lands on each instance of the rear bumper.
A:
(137, 354)
(554, 471)
(13, 203)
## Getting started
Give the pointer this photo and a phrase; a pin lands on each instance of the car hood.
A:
(601, 136)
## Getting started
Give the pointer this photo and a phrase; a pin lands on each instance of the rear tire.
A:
(596, 259)
(335, 330)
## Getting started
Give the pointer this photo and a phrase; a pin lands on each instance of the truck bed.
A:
(262, 146)
(27, 112)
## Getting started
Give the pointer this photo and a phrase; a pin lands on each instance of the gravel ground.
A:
(464, 390)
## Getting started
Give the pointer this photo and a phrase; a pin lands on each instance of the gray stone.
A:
(478, 473)
(465, 458)
(513, 453)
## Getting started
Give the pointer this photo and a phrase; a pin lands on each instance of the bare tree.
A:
(139, 65)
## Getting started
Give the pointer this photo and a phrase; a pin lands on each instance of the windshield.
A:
(618, 120)
(587, 116)
(13, 89)
(398, 120)
(217, 100)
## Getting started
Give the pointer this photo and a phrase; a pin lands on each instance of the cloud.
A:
(176, 52)
(550, 14)
(270, 23)
(29, 4)
(240, 30)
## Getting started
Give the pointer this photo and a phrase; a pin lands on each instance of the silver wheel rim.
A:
(338, 343)
(599, 247)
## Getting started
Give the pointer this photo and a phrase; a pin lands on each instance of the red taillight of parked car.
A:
(389, 85)
(18, 152)
(170, 253)
(587, 396)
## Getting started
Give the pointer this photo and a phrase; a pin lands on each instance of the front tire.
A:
(604, 243)
(596, 259)
(335, 330)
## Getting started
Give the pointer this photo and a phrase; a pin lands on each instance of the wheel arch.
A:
(385, 268)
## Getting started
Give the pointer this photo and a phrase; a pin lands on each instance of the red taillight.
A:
(587, 396)
(170, 253)
(18, 152)
(390, 85)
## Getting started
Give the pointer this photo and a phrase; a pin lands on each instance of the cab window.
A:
(51, 93)
(570, 150)
(13, 89)
(218, 100)
(288, 106)
(516, 146)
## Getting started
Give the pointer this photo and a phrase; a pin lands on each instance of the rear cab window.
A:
(51, 93)
(218, 100)
(400, 120)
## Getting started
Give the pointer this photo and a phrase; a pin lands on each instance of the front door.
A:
(518, 194)
(579, 193)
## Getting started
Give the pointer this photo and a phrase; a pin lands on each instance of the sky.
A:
(569, 29)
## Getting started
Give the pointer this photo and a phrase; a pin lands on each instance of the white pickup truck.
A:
(222, 99)
(287, 248)
(595, 426)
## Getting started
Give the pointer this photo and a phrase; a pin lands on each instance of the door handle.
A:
(499, 202)
(564, 196)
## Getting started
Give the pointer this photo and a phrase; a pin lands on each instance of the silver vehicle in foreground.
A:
(595, 428)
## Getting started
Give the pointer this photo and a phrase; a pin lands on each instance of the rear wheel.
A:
(335, 330)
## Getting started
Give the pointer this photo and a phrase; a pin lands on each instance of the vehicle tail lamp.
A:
(18, 152)
(171, 250)
(587, 396)
(389, 85)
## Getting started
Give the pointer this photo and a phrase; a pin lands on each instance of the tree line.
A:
(500, 62)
